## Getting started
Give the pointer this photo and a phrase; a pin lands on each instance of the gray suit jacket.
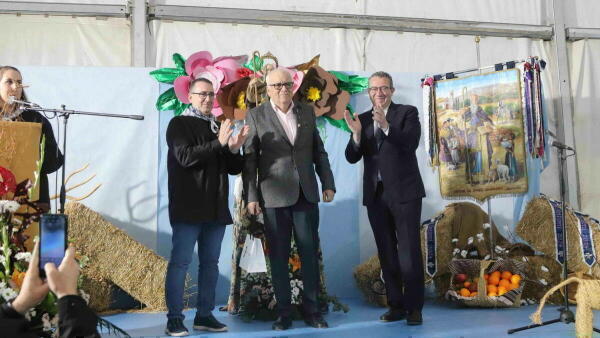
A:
(274, 168)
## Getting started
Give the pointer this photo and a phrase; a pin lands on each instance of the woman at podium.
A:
(11, 88)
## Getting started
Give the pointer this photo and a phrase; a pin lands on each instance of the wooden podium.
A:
(19, 152)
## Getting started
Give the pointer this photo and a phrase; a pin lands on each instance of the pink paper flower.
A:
(220, 71)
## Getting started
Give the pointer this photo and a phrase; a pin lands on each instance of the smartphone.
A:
(53, 240)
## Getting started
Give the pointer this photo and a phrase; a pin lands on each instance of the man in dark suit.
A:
(281, 155)
(386, 137)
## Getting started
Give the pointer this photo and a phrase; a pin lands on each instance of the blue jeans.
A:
(209, 236)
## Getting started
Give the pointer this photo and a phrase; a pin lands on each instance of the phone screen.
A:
(53, 239)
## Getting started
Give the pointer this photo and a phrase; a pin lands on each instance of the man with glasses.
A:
(202, 152)
(281, 155)
(386, 137)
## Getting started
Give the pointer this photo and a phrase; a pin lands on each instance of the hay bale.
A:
(118, 258)
(537, 227)
(461, 221)
(541, 274)
(365, 274)
(100, 291)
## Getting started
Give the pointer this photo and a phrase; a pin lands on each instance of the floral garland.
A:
(232, 77)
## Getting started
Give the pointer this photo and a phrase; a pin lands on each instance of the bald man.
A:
(281, 155)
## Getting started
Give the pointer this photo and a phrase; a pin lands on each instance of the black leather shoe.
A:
(282, 323)
(414, 318)
(316, 320)
(393, 315)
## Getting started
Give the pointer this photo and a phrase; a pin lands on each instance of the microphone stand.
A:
(65, 114)
(566, 315)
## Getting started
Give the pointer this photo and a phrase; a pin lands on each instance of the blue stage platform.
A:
(440, 320)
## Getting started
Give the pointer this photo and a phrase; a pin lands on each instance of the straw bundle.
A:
(365, 275)
(116, 257)
(537, 228)
(541, 274)
(100, 292)
(588, 299)
(460, 227)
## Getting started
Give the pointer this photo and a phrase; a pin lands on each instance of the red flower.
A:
(8, 183)
(244, 72)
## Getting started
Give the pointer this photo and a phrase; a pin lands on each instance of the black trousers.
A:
(396, 229)
(303, 218)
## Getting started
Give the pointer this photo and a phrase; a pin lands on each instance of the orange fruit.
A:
(494, 280)
(492, 294)
(473, 294)
(514, 286)
(506, 275)
(492, 288)
(505, 283)
(496, 273)
(486, 276)
(465, 292)
(467, 284)
(501, 290)
(515, 279)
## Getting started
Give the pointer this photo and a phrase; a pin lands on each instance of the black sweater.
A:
(198, 165)
(75, 319)
(53, 158)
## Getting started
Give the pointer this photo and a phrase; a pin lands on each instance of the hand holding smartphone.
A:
(53, 240)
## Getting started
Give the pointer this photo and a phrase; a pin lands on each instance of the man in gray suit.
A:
(281, 154)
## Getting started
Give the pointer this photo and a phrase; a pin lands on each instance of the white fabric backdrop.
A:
(122, 152)
(585, 74)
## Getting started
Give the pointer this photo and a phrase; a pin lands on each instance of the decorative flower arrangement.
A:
(13, 253)
(240, 85)
(220, 71)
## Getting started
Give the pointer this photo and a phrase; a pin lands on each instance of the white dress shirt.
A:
(288, 121)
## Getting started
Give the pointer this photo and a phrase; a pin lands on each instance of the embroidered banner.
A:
(586, 239)
(559, 228)
(430, 250)
(481, 137)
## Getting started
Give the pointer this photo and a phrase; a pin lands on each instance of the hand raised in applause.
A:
(354, 125)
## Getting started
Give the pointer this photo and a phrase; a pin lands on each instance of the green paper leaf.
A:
(169, 101)
(353, 84)
(167, 75)
(179, 62)
(254, 64)
(180, 108)
(341, 124)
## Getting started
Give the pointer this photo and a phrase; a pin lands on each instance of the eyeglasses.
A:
(204, 95)
(280, 85)
(384, 89)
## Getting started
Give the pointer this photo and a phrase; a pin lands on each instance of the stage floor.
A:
(440, 320)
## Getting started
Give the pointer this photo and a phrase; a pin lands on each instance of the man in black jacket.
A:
(201, 154)
(387, 137)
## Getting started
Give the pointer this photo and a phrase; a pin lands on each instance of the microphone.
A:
(561, 146)
(12, 100)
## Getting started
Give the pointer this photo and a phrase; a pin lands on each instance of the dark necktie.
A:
(379, 136)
